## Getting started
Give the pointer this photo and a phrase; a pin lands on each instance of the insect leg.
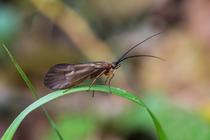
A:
(110, 81)
(97, 78)
(104, 84)
(112, 75)
(93, 93)
(93, 90)
(108, 74)
(106, 79)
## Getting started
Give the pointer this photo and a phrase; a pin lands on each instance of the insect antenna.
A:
(140, 56)
(120, 60)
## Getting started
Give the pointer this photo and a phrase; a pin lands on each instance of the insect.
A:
(63, 76)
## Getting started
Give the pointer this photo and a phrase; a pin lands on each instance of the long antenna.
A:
(139, 44)
(140, 56)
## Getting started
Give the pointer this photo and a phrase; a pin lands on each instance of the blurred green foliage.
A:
(10, 24)
(74, 127)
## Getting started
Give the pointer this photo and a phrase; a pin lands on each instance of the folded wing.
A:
(67, 75)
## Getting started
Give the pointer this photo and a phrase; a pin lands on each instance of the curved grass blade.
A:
(12, 128)
(33, 90)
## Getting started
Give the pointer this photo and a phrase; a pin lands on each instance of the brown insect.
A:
(63, 76)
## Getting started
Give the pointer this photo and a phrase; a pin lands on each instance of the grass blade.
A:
(12, 128)
(33, 90)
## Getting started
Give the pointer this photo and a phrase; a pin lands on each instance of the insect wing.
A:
(67, 75)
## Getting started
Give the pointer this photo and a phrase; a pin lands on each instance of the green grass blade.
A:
(21, 73)
(12, 128)
(33, 90)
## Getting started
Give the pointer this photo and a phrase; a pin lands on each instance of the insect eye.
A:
(114, 64)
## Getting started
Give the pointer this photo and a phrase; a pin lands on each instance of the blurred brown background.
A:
(42, 33)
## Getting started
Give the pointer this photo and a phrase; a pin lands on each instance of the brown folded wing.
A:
(67, 75)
